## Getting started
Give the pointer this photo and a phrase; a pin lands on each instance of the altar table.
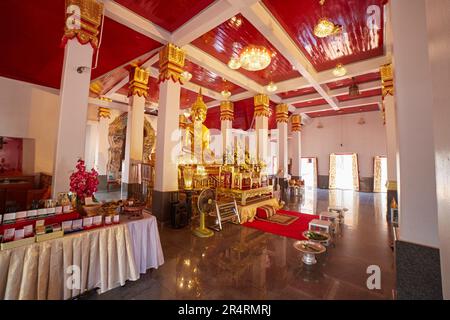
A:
(107, 257)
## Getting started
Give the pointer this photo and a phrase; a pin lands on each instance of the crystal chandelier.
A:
(324, 26)
(186, 75)
(271, 87)
(234, 63)
(254, 58)
(225, 94)
(339, 70)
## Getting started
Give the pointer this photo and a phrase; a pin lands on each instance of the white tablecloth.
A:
(107, 257)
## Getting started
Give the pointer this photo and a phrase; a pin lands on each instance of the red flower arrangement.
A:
(83, 183)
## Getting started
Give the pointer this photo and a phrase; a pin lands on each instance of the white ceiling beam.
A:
(214, 65)
(135, 22)
(208, 19)
(108, 104)
(261, 18)
(347, 104)
(334, 93)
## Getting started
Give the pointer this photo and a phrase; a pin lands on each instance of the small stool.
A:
(317, 224)
(329, 216)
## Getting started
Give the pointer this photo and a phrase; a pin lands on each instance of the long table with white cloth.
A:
(63, 268)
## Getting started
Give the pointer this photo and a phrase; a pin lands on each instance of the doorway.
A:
(380, 174)
(344, 173)
(309, 172)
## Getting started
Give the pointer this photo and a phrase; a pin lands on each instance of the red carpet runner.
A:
(294, 230)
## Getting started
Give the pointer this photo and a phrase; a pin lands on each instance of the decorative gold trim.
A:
(103, 113)
(138, 82)
(392, 185)
(296, 123)
(387, 79)
(226, 110)
(377, 174)
(282, 115)
(171, 63)
(261, 102)
(332, 172)
(91, 12)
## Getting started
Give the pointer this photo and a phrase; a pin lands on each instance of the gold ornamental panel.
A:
(226, 110)
(296, 123)
(261, 102)
(182, 121)
(387, 79)
(282, 114)
(103, 113)
(171, 63)
(86, 29)
(138, 82)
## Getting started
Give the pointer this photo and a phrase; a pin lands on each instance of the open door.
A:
(344, 172)
(309, 172)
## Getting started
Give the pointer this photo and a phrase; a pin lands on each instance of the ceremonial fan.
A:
(206, 204)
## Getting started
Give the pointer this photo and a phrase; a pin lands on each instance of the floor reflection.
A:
(244, 263)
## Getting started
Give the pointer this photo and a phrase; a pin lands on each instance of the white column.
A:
(226, 127)
(282, 126)
(134, 144)
(296, 143)
(74, 94)
(413, 93)
(166, 178)
(261, 102)
(438, 23)
(103, 141)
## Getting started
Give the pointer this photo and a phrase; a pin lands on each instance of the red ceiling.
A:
(310, 103)
(368, 77)
(169, 14)
(209, 79)
(28, 34)
(219, 43)
(363, 94)
(296, 93)
(328, 113)
(357, 42)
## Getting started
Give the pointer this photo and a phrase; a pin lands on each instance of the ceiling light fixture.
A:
(271, 87)
(254, 58)
(225, 94)
(186, 75)
(234, 63)
(353, 90)
(339, 70)
(324, 26)
(361, 121)
(319, 125)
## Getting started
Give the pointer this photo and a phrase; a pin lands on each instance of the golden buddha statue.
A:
(198, 116)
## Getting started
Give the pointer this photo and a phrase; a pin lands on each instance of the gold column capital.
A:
(83, 18)
(296, 123)
(103, 113)
(171, 63)
(387, 79)
(391, 185)
(182, 121)
(282, 114)
(262, 103)
(226, 110)
(138, 84)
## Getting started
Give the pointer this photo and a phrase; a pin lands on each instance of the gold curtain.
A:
(377, 174)
(332, 172)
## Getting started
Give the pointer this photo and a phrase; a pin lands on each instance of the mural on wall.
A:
(11, 150)
(117, 138)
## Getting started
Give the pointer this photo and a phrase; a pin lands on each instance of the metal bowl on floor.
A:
(316, 236)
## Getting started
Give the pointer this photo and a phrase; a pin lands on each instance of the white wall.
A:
(29, 111)
(341, 134)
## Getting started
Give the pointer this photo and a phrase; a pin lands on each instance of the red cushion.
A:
(265, 212)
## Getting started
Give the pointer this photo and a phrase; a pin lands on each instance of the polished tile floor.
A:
(243, 263)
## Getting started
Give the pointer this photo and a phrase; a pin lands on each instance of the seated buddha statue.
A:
(198, 116)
